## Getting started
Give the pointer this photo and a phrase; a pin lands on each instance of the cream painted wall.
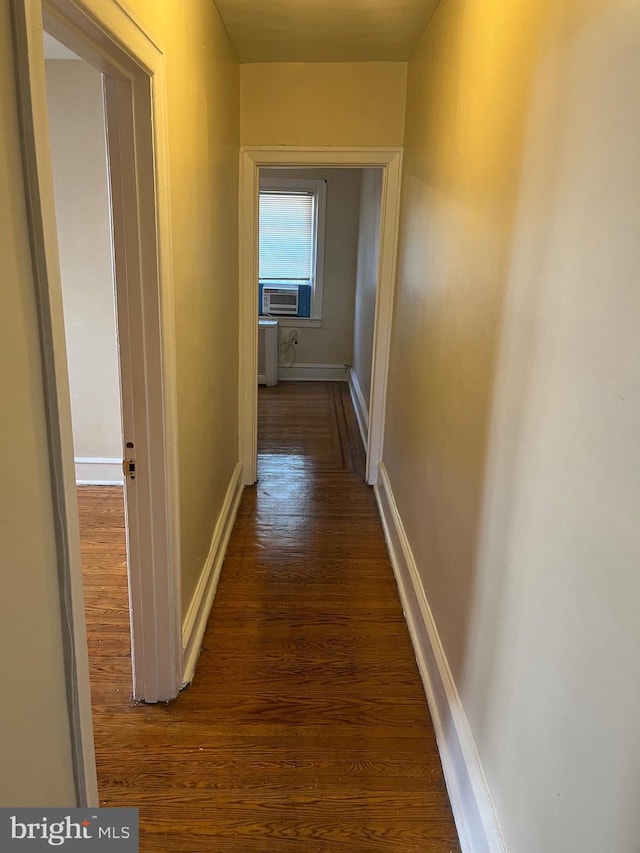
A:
(333, 342)
(325, 103)
(79, 160)
(514, 410)
(367, 278)
(203, 117)
(36, 767)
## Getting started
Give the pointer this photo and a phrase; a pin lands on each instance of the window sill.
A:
(294, 322)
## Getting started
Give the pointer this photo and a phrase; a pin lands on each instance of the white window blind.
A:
(286, 244)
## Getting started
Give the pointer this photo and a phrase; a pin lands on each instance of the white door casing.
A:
(251, 159)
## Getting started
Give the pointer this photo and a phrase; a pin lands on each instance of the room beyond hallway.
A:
(306, 727)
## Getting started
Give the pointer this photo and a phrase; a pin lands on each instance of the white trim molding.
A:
(313, 372)
(195, 621)
(251, 160)
(296, 322)
(99, 471)
(471, 803)
(359, 406)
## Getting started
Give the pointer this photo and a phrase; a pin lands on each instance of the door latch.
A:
(129, 468)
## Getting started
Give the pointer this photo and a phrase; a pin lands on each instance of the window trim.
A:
(318, 188)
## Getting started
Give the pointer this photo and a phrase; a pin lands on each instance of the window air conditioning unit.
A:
(280, 300)
(267, 352)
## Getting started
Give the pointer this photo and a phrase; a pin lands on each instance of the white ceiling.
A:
(325, 30)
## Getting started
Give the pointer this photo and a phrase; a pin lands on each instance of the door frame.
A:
(251, 159)
(111, 40)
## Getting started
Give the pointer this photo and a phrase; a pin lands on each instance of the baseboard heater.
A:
(267, 352)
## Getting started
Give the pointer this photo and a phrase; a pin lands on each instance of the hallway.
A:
(306, 726)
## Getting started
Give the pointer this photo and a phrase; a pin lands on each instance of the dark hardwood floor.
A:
(306, 727)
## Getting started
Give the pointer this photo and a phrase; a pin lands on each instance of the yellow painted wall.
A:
(203, 117)
(35, 767)
(514, 407)
(327, 103)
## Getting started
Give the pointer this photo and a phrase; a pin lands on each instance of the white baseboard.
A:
(360, 406)
(313, 373)
(195, 620)
(473, 810)
(99, 471)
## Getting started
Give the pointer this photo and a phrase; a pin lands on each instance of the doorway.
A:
(133, 69)
(318, 250)
(78, 144)
(252, 161)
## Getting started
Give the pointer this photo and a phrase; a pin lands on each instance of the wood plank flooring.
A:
(306, 727)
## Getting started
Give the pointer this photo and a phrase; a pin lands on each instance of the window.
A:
(291, 245)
